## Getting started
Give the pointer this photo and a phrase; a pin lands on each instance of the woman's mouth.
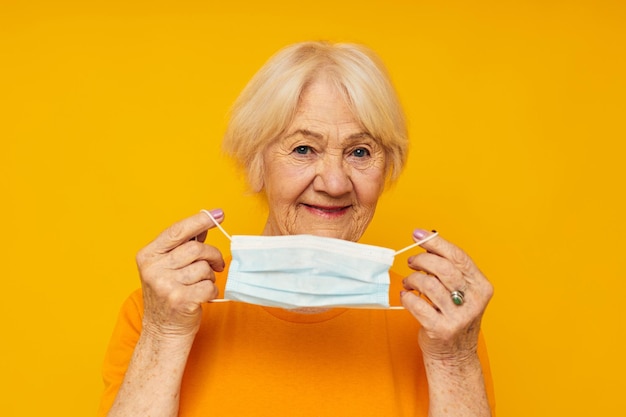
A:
(327, 211)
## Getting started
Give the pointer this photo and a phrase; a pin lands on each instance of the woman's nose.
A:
(332, 176)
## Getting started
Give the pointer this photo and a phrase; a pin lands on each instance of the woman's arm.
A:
(177, 277)
(152, 382)
(456, 388)
(450, 330)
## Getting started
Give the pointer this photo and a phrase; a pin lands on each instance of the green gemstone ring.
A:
(457, 297)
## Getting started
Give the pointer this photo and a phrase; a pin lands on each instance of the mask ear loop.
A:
(418, 243)
(219, 226)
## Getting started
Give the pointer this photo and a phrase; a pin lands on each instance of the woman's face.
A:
(325, 174)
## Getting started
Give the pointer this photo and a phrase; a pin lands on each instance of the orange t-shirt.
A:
(249, 360)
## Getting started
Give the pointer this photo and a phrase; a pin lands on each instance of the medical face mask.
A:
(296, 271)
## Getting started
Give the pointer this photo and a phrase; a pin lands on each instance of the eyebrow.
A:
(360, 135)
(306, 132)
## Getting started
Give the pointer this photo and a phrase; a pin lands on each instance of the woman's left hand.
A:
(449, 331)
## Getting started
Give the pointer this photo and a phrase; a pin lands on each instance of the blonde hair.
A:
(267, 105)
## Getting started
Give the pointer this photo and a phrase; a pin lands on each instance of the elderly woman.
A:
(320, 132)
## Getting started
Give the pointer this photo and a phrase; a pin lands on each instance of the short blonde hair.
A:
(267, 105)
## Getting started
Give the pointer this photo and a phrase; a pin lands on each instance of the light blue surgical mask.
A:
(296, 271)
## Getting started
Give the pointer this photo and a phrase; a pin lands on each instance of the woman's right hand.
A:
(177, 276)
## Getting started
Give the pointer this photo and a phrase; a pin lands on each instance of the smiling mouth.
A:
(328, 209)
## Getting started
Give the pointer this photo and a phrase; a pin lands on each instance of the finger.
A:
(451, 277)
(194, 273)
(202, 291)
(421, 309)
(451, 252)
(436, 293)
(184, 230)
(192, 251)
(201, 237)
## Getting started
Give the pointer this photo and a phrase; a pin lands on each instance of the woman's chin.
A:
(333, 233)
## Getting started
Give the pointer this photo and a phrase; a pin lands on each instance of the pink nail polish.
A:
(217, 213)
(419, 234)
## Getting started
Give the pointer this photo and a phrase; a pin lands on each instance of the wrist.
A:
(459, 364)
(162, 341)
(456, 380)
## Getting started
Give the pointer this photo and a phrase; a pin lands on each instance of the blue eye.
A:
(302, 150)
(360, 152)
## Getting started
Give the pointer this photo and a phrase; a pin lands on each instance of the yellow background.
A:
(111, 116)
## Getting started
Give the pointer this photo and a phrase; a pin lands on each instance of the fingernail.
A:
(217, 213)
(419, 234)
